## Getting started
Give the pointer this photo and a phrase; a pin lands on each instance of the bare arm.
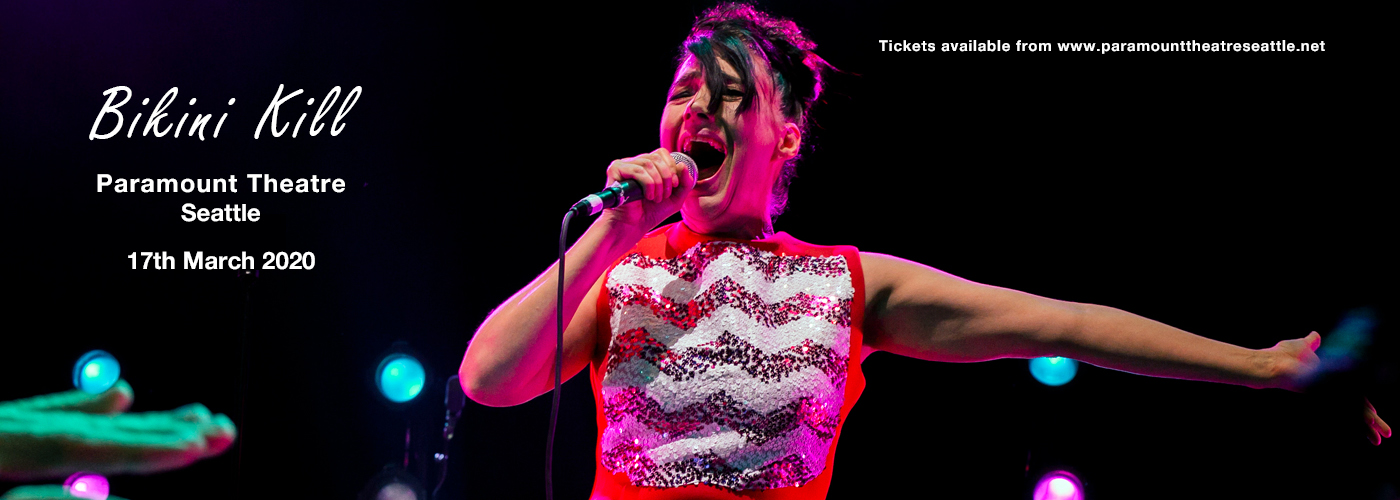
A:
(511, 358)
(922, 312)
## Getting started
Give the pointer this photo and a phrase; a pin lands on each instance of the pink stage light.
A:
(87, 485)
(1059, 485)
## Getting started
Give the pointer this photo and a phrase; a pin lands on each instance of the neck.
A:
(745, 229)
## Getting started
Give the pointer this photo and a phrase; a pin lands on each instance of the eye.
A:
(679, 93)
(733, 93)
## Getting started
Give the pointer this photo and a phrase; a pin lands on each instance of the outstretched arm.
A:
(925, 313)
(921, 312)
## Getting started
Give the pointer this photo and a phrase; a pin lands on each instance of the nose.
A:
(699, 105)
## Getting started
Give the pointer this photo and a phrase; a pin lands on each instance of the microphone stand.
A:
(455, 401)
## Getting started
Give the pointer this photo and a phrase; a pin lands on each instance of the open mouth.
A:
(708, 156)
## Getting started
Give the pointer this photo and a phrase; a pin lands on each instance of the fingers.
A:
(193, 413)
(635, 170)
(667, 167)
(661, 170)
(1314, 340)
(114, 400)
(55, 444)
(1376, 428)
(220, 434)
(655, 172)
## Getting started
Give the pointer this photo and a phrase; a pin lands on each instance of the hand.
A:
(664, 186)
(1296, 366)
(1295, 362)
(1375, 427)
(52, 436)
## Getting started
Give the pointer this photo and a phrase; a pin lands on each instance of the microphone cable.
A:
(616, 195)
(558, 359)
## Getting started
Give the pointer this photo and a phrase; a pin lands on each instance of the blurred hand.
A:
(1295, 362)
(1297, 366)
(1375, 427)
(55, 435)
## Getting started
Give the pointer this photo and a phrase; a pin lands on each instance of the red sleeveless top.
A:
(731, 368)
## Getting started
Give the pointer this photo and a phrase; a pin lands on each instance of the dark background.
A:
(1229, 194)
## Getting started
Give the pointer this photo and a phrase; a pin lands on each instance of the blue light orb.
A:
(95, 372)
(1054, 371)
(400, 378)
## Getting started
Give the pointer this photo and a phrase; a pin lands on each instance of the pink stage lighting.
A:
(1059, 485)
(87, 485)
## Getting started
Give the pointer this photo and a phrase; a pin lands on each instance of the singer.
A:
(725, 356)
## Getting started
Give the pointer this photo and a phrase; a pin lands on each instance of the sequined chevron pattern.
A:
(771, 265)
(728, 349)
(727, 366)
(727, 292)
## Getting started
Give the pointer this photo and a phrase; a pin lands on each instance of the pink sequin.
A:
(722, 410)
(772, 265)
(767, 424)
(726, 292)
(708, 468)
(729, 349)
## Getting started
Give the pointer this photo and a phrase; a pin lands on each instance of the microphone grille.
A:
(684, 159)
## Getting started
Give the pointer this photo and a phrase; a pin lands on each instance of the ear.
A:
(790, 142)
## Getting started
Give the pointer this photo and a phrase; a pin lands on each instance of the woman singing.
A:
(725, 356)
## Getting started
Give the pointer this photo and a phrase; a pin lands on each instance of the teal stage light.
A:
(1053, 371)
(95, 372)
(400, 377)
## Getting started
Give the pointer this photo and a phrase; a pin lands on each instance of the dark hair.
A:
(738, 32)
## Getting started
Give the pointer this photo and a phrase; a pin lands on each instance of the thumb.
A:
(1314, 340)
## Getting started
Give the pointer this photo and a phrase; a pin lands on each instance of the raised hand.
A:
(664, 186)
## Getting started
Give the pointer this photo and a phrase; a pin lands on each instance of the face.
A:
(739, 154)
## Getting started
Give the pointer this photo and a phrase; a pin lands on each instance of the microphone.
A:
(618, 193)
(455, 401)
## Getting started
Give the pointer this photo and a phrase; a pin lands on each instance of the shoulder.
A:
(882, 272)
(787, 244)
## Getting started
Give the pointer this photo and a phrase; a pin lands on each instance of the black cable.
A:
(454, 400)
(558, 360)
(247, 280)
(442, 469)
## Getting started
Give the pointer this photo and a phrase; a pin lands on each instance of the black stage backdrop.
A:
(1230, 194)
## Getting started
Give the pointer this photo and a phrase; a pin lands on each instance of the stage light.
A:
(1054, 371)
(1059, 485)
(393, 484)
(87, 485)
(400, 377)
(95, 372)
